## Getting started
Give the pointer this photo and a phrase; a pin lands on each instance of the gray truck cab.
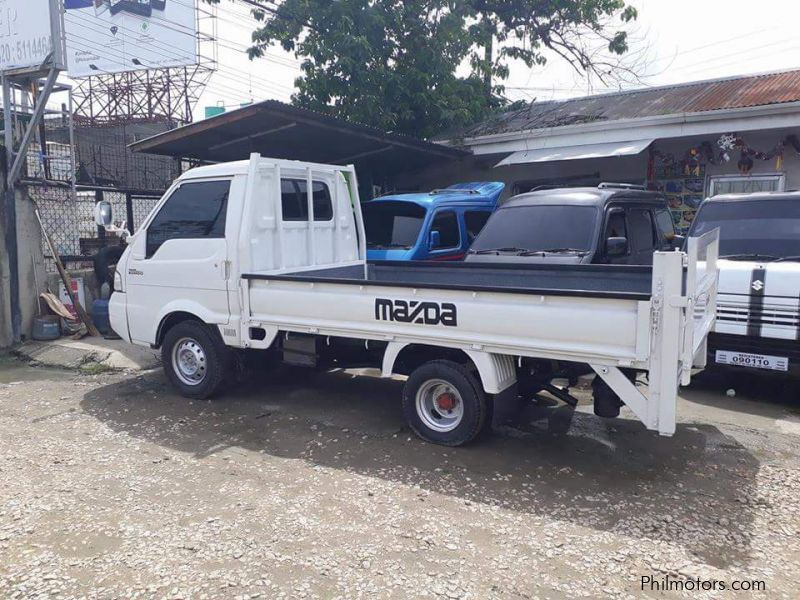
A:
(609, 224)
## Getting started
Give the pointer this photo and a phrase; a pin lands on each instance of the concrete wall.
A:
(32, 276)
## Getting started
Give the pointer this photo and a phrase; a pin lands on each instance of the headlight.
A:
(118, 287)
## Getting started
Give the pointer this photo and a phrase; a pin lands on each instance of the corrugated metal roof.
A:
(699, 96)
(280, 130)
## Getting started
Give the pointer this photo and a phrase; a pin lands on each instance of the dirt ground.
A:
(305, 485)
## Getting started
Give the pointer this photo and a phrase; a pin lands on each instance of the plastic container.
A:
(100, 316)
(46, 327)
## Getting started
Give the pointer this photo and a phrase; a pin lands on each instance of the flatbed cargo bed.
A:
(626, 282)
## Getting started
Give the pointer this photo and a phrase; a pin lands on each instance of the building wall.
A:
(31, 270)
(630, 169)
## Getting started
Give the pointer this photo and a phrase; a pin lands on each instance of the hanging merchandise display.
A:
(683, 179)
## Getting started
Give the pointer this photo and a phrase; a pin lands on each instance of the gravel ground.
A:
(308, 486)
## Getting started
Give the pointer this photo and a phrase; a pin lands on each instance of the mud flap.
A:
(506, 406)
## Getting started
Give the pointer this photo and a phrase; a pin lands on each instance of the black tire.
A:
(215, 364)
(606, 401)
(475, 404)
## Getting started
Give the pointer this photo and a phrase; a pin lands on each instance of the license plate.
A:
(754, 361)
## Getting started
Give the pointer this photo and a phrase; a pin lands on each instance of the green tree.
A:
(395, 64)
(581, 32)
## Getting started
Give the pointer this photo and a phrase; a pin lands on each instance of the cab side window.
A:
(642, 236)
(666, 227)
(474, 220)
(446, 223)
(193, 211)
(616, 225)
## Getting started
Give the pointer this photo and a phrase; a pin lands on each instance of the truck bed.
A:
(627, 282)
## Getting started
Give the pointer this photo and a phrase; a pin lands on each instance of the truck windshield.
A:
(538, 227)
(757, 229)
(392, 224)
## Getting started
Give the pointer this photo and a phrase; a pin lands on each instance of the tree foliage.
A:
(422, 66)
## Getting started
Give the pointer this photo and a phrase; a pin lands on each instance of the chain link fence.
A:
(69, 219)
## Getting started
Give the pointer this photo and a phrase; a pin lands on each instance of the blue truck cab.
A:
(438, 225)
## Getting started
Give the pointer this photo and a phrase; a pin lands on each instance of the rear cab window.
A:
(196, 210)
(294, 200)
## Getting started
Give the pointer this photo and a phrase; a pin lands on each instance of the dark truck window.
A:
(616, 225)
(539, 227)
(666, 226)
(446, 223)
(474, 220)
(294, 200)
(392, 224)
(193, 211)
(767, 227)
(641, 230)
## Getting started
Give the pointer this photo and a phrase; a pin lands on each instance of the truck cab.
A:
(438, 225)
(758, 319)
(610, 224)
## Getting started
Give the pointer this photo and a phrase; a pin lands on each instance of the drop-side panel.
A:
(567, 327)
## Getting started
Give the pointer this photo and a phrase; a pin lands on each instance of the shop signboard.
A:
(26, 38)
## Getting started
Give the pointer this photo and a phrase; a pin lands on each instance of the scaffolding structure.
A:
(165, 95)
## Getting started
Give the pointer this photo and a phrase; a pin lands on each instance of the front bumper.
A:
(755, 345)
(118, 315)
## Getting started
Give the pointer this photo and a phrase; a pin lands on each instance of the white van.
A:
(269, 255)
(758, 310)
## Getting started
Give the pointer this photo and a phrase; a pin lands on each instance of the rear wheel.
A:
(444, 403)
(195, 359)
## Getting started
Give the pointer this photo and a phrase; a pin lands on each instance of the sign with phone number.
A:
(25, 36)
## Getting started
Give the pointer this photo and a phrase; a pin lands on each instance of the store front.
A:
(690, 141)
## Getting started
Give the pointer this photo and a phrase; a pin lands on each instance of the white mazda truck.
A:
(758, 307)
(267, 258)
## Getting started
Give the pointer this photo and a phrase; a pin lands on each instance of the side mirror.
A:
(435, 240)
(103, 213)
(616, 246)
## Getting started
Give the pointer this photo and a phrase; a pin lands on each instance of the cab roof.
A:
(476, 192)
(585, 196)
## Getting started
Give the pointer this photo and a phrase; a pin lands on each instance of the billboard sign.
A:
(25, 34)
(111, 36)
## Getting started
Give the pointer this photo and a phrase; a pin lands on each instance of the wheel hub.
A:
(439, 405)
(189, 361)
(446, 402)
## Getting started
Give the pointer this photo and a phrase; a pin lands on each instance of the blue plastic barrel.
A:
(100, 316)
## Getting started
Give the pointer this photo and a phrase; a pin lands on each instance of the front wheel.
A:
(444, 403)
(195, 359)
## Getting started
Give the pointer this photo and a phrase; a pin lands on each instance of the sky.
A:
(679, 41)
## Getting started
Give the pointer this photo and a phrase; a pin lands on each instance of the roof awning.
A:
(279, 130)
(583, 151)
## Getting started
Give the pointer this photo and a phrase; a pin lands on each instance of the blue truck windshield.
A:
(392, 224)
(539, 227)
(761, 229)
